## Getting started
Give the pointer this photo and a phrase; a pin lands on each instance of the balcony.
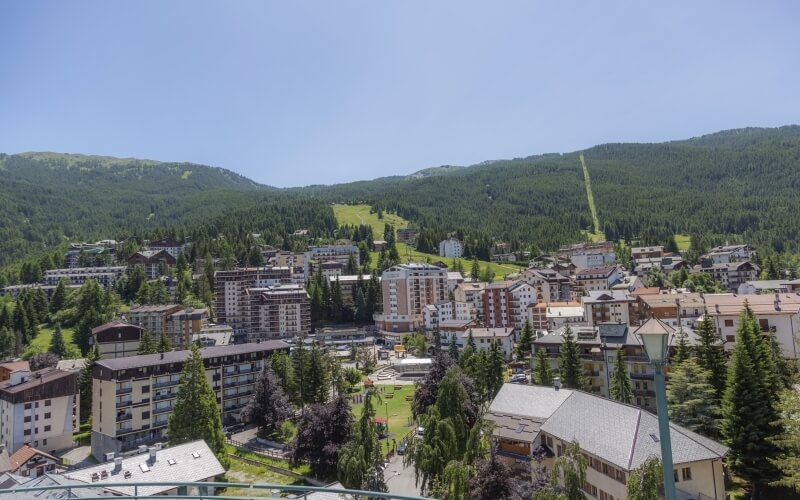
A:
(166, 384)
(644, 393)
(641, 376)
(162, 410)
(164, 396)
(121, 404)
(124, 390)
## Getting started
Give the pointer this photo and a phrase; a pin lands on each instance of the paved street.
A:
(399, 479)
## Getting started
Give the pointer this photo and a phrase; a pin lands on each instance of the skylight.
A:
(171, 461)
(520, 428)
(196, 454)
(144, 467)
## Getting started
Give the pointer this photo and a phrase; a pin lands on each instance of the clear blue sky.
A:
(299, 92)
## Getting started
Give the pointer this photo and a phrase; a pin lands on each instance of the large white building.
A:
(232, 299)
(40, 409)
(407, 289)
(451, 248)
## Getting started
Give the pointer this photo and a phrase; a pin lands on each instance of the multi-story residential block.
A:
(725, 254)
(471, 294)
(90, 254)
(506, 303)
(153, 318)
(763, 286)
(504, 337)
(278, 311)
(451, 248)
(674, 309)
(298, 262)
(105, 276)
(598, 278)
(184, 325)
(117, 339)
(667, 265)
(568, 251)
(615, 439)
(169, 245)
(593, 258)
(454, 278)
(654, 252)
(407, 235)
(549, 316)
(732, 275)
(504, 257)
(447, 310)
(338, 253)
(779, 312)
(608, 306)
(407, 289)
(551, 286)
(151, 261)
(231, 298)
(40, 409)
(9, 367)
(132, 397)
(331, 268)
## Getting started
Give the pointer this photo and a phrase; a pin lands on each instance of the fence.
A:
(255, 448)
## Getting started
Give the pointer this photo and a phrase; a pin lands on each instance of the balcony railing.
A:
(162, 410)
(644, 392)
(124, 417)
(166, 384)
(120, 404)
(642, 376)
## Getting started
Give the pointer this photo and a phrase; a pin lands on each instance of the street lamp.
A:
(387, 421)
(655, 339)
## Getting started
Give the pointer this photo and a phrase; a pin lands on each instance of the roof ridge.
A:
(683, 431)
(635, 437)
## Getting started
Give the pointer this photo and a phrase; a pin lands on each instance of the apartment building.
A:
(566, 252)
(506, 303)
(471, 293)
(549, 316)
(732, 275)
(338, 253)
(667, 265)
(551, 286)
(231, 299)
(153, 318)
(152, 261)
(40, 409)
(779, 312)
(451, 247)
(278, 311)
(597, 278)
(407, 289)
(132, 397)
(77, 276)
(9, 367)
(593, 258)
(83, 254)
(298, 262)
(725, 254)
(608, 306)
(615, 440)
(407, 235)
(674, 309)
(652, 252)
(169, 245)
(117, 339)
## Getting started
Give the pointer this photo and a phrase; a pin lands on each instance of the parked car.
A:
(519, 378)
(420, 431)
(401, 448)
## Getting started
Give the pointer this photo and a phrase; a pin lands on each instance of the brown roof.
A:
(654, 325)
(114, 324)
(40, 377)
(24, 454)
(545, 305)
(731, 304)
(668, 300)
(13, 366)
(650, 290)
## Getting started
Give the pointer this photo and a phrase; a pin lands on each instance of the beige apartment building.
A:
(132, 397)
(615, 439)
(472, 294)
(153, 318)
(407, 289)
(231, 298)
(185, 324)
(279, 311)
(117, 339)
(40, 409)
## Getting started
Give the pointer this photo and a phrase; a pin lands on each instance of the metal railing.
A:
(204, 490)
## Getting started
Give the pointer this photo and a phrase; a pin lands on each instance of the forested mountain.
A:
(47, 199)
(739, 185)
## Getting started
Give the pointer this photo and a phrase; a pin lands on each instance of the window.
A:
(47, 415)
(686, 472)
(145, 415)
(675, 474)
(27, 432)
(145, 389)
(47, 428)
(764, 324)
(27, 419)
(48, 402)
(28, 406)
(728, 322)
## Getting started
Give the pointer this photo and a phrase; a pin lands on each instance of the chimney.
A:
(162, 355)
(557, 383)
(153, 452)
(118, 464)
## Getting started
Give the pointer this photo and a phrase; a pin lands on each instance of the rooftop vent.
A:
(117, 464)
(654, 437)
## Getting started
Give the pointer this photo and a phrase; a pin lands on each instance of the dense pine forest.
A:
(738, 185)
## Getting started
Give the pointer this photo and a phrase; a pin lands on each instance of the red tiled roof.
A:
(24, 454)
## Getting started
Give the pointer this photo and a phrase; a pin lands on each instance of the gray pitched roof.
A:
(186, 467)
(623, 435)
(532, 401)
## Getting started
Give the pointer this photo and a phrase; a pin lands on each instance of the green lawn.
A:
(42, 342)
(399, 411)
(359, 214)
(241, 472)
(683, 241)
(594, 237)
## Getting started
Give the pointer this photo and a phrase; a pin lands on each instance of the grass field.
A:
(683, 241)
(399, 411)
(359, 214)
(42, 342)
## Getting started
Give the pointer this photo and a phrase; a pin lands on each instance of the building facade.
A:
(451, 248)
(117, 339)
(278, 311)
(231, 296)
(506, 304)
(407, 289)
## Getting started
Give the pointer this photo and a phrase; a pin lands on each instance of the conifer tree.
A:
(691, 399)
(543, 373)
(317, 377)
(146, 343)
(475, 271)
(682, 349)
(788, 441)
(711, 355)
(748, 411)
(453, 349)
(620, 389)
(195, 414)
(8, 343)
(570, 368)
(494, 370)
(525, 341)
(164, 343)
(57, 344)
(86, 383)
(471, 341)
(59, 299)
(357, 456)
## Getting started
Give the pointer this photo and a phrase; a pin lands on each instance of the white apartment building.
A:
(607, 306)
(451, 248)
(231, 299)
(598, 278)
(40, 409)
(279, 311)
(407, 289)
(104, 276)
(597, 258)
(339, 253)
(132, 397)
(471, 294)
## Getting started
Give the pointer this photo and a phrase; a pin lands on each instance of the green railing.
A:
(188, 490)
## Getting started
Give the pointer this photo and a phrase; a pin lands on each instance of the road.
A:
(399, 479)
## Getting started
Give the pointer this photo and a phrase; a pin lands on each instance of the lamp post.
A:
(387, 421)
(655, 337)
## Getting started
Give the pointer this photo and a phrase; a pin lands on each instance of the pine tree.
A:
(788, 442)
(570, 368)
(542, 374)
(164, 343)
(691, 399)
(57, 344)
(682, 349)
(146, 343)
(475, 271)
(620, 389)
(471, 341)
(195, 414)
(711, 355)
(358, 455)
(494, 370)
(525, 341)
(59, 299)
(86, 383)
(453, 349)
(8, 343)
(317, 376)
(748, 411)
